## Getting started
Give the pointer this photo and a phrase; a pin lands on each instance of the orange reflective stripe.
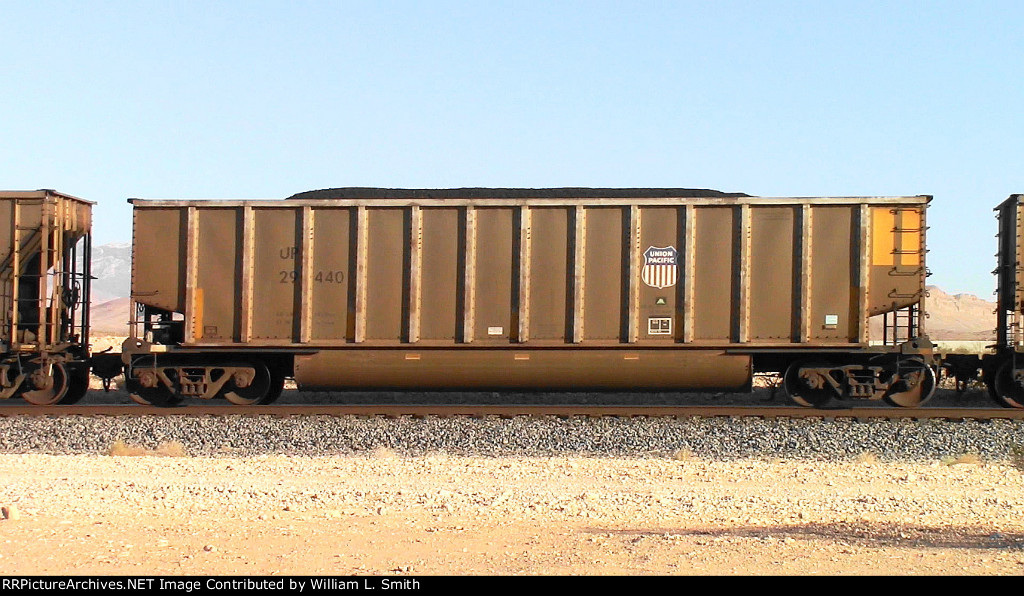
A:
(883, 246)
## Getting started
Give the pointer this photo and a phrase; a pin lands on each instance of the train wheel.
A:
(264, 388)
(991, 386)
(1010, 394)
(276, 387)
(49, 389)
(160, 396)
(78, 386)
(803, 390)
(922, 387)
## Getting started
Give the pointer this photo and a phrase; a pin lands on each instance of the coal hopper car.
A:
(45, 250)
(528, 289)
(1003, 371)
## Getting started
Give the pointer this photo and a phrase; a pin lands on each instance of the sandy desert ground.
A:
(388, 515)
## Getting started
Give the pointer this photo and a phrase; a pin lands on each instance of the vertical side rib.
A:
(633, 300)
(362, 237)
(415, 272)
(579, 272)
(248, 264)
(469, 277)
(191, 260)
(306, 276)
(523, 334)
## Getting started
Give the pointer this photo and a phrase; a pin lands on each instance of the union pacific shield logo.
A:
(661, 267)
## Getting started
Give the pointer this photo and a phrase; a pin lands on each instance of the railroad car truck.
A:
(45, 253)
(528, 289)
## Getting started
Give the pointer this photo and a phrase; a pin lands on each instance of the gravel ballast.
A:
(710, 438)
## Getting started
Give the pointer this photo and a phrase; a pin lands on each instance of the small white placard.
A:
(831, 319)
(659, 326)
(495, 331)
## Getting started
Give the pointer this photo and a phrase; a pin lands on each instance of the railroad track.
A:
(508, 411)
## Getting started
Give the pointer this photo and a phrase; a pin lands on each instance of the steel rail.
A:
(509, 411)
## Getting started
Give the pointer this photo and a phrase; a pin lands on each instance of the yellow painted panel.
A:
(198, 314)
(883, 245)
(910, 245)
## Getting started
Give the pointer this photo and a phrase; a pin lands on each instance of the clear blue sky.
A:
(108, 100)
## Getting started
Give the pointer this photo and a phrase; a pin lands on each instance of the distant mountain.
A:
(112, 268)
(953, 317)
(959, 316)
(110, 317)
(111, 288)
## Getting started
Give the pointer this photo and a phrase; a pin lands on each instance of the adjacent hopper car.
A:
(45, 253)
(1004, 372)
(494, 289)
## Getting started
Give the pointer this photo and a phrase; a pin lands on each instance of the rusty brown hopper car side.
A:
(591, 289)
(1004, 371)
(44, 272)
